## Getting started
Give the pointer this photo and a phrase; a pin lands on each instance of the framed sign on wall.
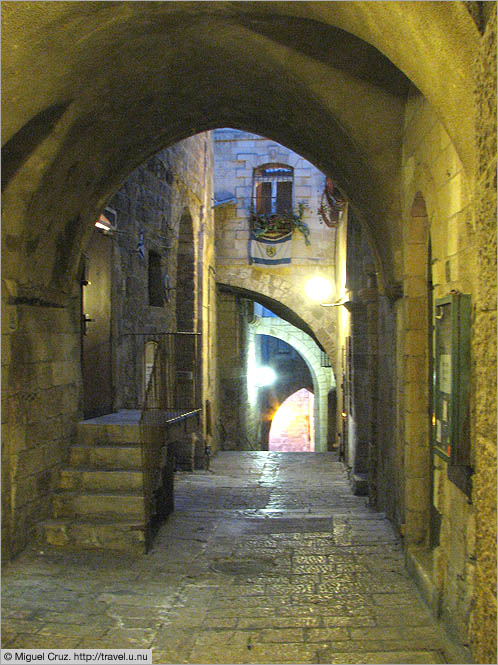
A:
(451, 412)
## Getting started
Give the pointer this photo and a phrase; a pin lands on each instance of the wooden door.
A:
(96, 327)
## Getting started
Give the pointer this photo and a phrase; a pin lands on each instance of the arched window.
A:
(272, 190)
(185, 275)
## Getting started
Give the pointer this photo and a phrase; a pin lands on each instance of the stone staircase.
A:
(99, 502)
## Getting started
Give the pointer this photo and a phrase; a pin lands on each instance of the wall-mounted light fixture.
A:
(264, 376)
(107, 220)
(318, 289)
(332, 304)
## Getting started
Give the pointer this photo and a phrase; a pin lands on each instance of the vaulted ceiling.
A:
(91, 89)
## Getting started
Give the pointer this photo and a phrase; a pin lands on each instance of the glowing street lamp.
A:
(264, 376)
(318, 289)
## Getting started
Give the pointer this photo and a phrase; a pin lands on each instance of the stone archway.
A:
(75, 137)
(320, 322)
(71, 138)
(323, 378)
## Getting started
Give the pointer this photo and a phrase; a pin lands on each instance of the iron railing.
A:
(172, 394)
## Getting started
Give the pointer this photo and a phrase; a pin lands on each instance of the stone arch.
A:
(323, 378)
(280, 423)
(320, 323)
(87, 133)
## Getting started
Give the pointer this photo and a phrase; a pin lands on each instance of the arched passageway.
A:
(382, 94)
(323, 377)
(292, 427)
(120, 135)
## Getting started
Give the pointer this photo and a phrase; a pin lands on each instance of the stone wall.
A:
(384, 410)
(237, 154)
(41, 336)
(364, 341)
(483, 622)
(166, 202)
(439, 256)
(239, 422)
(41, 405)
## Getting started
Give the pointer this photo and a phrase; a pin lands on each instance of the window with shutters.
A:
(272, 192)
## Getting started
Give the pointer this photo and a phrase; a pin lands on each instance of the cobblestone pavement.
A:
(268, 558)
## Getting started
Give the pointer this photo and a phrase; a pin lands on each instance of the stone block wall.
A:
(483, 621)
(41, 405)
(41, 336)
(237, 154)
(167, 203)
(437, 209)
(365, 370)
(385, 409)
(238, 421)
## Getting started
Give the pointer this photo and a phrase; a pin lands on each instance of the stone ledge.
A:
(419, 565)
(359, 484)
(418, 561)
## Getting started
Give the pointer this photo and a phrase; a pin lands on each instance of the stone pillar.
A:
(370, 299)
(358, 412)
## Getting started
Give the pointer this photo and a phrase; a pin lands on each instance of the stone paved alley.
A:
(268, 558)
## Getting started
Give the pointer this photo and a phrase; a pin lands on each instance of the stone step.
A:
(88, 505)
(122, 457)
(89, 433)
(103, 480)
(72, 534)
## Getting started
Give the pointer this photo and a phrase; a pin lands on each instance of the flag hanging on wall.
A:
(140, 246)
(270, 251)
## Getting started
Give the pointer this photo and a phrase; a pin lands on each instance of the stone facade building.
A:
(244, 164)
(396, 102)
(152, 268)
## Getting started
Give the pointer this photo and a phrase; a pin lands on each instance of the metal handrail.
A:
(172, 394)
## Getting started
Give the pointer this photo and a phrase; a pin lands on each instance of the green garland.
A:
(261, 224)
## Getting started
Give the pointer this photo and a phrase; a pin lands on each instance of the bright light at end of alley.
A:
(264, 376)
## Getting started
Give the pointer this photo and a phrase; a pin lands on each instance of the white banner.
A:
(271, 252)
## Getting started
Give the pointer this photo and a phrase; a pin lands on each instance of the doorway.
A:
(96, 361)
(292, 428)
